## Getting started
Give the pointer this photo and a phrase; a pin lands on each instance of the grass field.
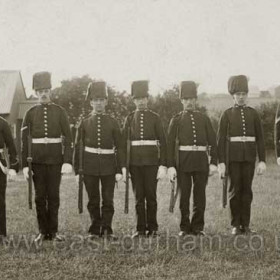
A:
(216, 256)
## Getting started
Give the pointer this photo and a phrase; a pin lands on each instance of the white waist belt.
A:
(144, 143)
(99, 151)
(193, 148)
(46, 140)
(243, 139)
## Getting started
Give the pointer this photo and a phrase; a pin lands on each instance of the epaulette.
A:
(152, 112)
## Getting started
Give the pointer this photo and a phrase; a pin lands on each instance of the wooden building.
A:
(14, 103)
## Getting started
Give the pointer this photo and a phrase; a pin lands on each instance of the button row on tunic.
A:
(141, 126)
(193, 127)
(243, 122)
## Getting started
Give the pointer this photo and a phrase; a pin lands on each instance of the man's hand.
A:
(171, 172)
(12, 175)
(66, 168)
(161, 172)
(221, 170)
(261, 167)
(212, 169)
(25, 172)
(118, 177)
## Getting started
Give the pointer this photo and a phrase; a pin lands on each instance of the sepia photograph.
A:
(139, 139)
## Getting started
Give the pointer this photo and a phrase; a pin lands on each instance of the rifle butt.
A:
(80, 195)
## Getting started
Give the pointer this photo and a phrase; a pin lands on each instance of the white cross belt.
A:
(243, 139)
(144, 143)
(193, 148)
(99, 151)
(46, 140)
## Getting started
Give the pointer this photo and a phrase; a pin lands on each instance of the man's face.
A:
(189, 104)
(240, 98)
(141, 103)
(99, 105)
(44, 95)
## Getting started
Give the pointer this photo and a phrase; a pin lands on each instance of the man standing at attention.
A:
(195, 137)
(103, 160)
(51, 150)
(147, 158)
(241, 126)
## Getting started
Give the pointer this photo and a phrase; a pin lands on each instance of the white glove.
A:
(77, 177)
(221, 170)
(171, 173)
(161, 172)
(66, 168)
(261, 167)
(25, 171)
(12, 175)
(212, 169)
(118, 177)
(278, 161)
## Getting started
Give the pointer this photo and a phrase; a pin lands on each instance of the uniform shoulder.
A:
(32, 109)
(153, 113)
(227, 111)
(86, 118)
(57, 106)
(251, 109)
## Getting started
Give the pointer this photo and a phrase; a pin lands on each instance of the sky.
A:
(164, 41)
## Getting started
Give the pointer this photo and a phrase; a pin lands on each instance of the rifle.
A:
(126, 197)
(225, 178)
(29, 161)
(81, 175)
(173, 196)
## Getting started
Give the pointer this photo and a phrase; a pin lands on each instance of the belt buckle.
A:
(243, 138)
(46, 140)
(194, 148)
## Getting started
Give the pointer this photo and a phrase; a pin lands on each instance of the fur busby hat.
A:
(188, 90)
(97, 90)
(140, 89)
(42, 80)
(238, 84)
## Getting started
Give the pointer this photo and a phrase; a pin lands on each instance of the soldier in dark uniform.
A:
(195, 136)
(48, 125)
(6, 140)
(103, 160)
(241, 126)
(147, 158)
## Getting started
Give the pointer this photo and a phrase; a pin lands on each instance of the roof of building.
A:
(8, 84)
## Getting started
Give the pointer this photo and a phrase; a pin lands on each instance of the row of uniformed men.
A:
(150, 155)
